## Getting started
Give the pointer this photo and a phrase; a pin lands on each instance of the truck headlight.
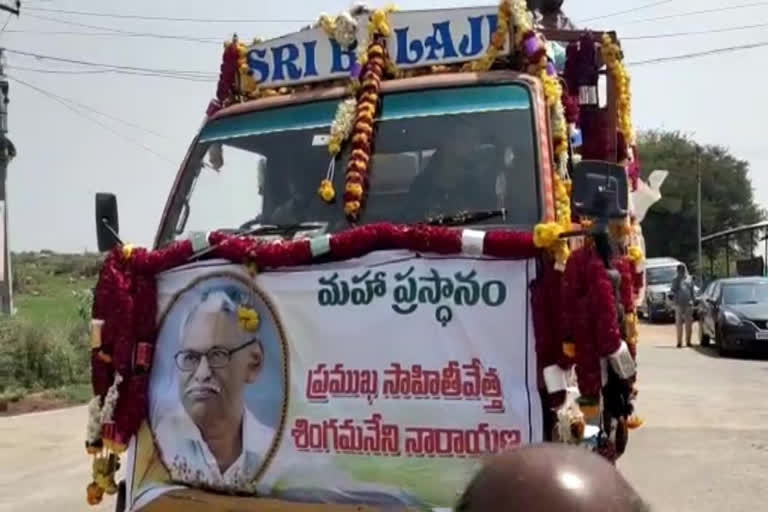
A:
(731, 319)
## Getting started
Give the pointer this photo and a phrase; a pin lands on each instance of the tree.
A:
(727, 197)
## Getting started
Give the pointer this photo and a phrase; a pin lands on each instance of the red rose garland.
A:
(546, 308)
(602, 305)
(226, 84)
(126, 296)
(589, 317)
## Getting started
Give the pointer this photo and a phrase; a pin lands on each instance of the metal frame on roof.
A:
(726, 234)
(734, 231)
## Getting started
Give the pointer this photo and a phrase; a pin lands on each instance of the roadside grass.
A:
(44, 348)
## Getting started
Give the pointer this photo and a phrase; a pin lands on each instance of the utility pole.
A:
(698, 214)
(7, 152)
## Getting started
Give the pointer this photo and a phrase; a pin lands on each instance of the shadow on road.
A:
(711, 351)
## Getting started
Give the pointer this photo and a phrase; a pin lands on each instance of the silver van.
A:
(659, 274)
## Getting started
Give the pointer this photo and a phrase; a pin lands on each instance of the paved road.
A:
(705, 444)
(704, 447)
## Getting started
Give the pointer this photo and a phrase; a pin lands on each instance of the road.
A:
(704, 446)
(705, 443)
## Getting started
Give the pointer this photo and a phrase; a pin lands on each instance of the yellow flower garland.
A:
(613, 57)
(498, 41)
(248, 319)
(522, 23)
(342, 127)
(636, 255)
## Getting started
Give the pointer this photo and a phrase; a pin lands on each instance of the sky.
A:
(64, 159)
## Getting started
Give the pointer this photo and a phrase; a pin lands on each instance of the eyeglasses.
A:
(217, 357)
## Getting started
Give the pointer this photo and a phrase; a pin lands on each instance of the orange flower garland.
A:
(498, 41)
(362, 134)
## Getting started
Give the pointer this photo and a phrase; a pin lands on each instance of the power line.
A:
(164, 18)
(109, 34)
(694, 55)
(66, 103)
(626, 11)
(129, 35)
(171, 72)
(7, 20)
(93, 110)
(108, 72)
(694, 33)
(694, 13)
(151, 35)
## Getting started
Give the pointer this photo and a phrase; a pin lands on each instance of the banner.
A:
(379, 381)
(418, 38)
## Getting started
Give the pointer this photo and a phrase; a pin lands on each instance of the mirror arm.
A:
(111, 230)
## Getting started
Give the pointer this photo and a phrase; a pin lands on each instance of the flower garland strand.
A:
(348, 111)
(532, 47)
(340, 131)
(614, 60)
(498, 41)
(359, 164)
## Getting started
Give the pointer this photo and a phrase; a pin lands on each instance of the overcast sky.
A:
(63, 159)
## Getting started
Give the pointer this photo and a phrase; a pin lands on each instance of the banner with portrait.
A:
(378, 381)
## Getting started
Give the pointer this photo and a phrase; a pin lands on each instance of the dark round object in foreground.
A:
(550, 477)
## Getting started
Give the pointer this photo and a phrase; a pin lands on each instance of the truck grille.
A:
(761, 324)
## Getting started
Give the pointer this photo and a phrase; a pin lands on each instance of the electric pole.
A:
(7, 152)
(700, 268)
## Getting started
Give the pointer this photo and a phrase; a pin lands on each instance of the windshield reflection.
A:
(745, 293)
(430, 164)
(661, 275)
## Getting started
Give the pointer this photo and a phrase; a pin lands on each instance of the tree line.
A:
(728, 201)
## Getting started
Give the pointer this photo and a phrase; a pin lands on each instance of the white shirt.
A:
(191, 461)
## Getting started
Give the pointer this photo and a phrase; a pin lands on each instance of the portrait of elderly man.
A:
(220, 354)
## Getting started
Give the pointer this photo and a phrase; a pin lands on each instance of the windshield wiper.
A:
(283, 230)
(465, 218)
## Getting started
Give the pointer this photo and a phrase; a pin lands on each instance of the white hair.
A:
(224, 301)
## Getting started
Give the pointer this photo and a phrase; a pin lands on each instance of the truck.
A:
(399, 243)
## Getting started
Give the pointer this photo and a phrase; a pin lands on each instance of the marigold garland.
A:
(532, 47)
(359, 164)
(614, 60)
(498, 41)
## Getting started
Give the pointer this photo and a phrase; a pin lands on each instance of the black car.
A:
(734, 313)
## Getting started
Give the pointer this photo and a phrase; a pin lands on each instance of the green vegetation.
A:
(45, 347)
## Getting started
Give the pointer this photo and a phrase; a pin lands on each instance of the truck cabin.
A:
(444, 143)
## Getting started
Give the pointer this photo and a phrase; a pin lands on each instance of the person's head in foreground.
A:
(220, 355)
(681, 270)
(550, 478)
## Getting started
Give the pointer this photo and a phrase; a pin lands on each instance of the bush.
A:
(46, 346)
(35, 356)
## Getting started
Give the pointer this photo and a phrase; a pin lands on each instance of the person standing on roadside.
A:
(682, 298)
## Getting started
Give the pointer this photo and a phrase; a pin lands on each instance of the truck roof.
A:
(662, 262)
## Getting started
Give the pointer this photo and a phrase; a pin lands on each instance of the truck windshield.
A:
(437, 151)
(661, 275)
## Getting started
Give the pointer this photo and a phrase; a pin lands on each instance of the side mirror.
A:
(107, 224)
(600, 189)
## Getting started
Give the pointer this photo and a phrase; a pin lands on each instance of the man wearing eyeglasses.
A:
(217, 360)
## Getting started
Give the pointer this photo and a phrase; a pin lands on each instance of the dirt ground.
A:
(38, 402)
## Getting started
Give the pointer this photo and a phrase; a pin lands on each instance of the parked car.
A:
(734, 313)
(659, 274)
